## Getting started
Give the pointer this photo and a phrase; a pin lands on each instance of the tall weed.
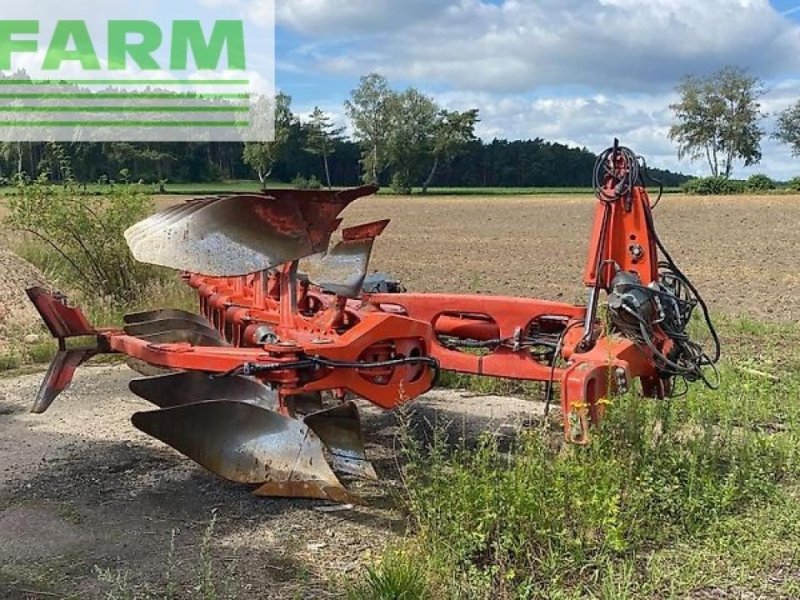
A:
(543, 519)
(78, 237)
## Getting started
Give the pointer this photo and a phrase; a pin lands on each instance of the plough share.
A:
(259, 386)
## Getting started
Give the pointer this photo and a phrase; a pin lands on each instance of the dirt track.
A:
(16, 311)
(79, 487)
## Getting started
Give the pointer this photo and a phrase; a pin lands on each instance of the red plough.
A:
(258, 386)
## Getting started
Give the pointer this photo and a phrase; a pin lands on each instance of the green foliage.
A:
(492, 166)
(490, 386)
(788, 128)
(413, 122)
(369, 111)
(166, 287)
(322, 137)
(452, 133)
(41, 353)
(151, 162)
(18, 353)
(13, 155)
(262, 156)
(714, 186)
(401, 183)
(543, 520)
(79, 237)
(397, 577)
(407, 131)
(500, 163)
(794, 184)
(760, 183)
(56, 162)
(9, 361)
(306, 183)
(718, 120)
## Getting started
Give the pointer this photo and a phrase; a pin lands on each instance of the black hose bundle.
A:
(634, 172)
(673, 300)
(618, 164)
(670, 306)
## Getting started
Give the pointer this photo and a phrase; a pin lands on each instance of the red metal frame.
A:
(621, 239)
(274, 319)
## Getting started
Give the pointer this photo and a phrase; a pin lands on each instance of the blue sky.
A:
(575, 71)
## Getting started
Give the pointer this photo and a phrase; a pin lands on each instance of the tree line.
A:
(401, 138)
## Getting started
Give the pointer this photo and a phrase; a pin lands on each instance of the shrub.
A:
(41, 352)
(760, 183)
(303, 183)
(736, 186)
(397, 577)
(794, 184)
(714, 186)
(401, 184)
(79, 237)
(10, 361)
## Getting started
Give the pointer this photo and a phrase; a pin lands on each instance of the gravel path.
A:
(79, 487)
(16, 312)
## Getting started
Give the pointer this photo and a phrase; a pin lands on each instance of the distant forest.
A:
(399, 138)
(500, 163)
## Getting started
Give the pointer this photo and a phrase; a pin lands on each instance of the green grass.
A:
(41, 353)
(671, 498)
(179, 189)
(396, 578)
(10, 361)
(189, 189)
(745, 552)
(226, 187)
(509, 191)
(489, 386)
(168, 292)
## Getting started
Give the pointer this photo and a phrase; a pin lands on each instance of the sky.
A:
(578, 72)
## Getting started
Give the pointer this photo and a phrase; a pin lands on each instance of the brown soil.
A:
(16, 312)
(741, 251)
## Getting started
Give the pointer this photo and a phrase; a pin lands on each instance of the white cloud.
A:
(328, 17)
(576, 71)
(221, 3)
(641, 121)
(521, 45)
(593, 121)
